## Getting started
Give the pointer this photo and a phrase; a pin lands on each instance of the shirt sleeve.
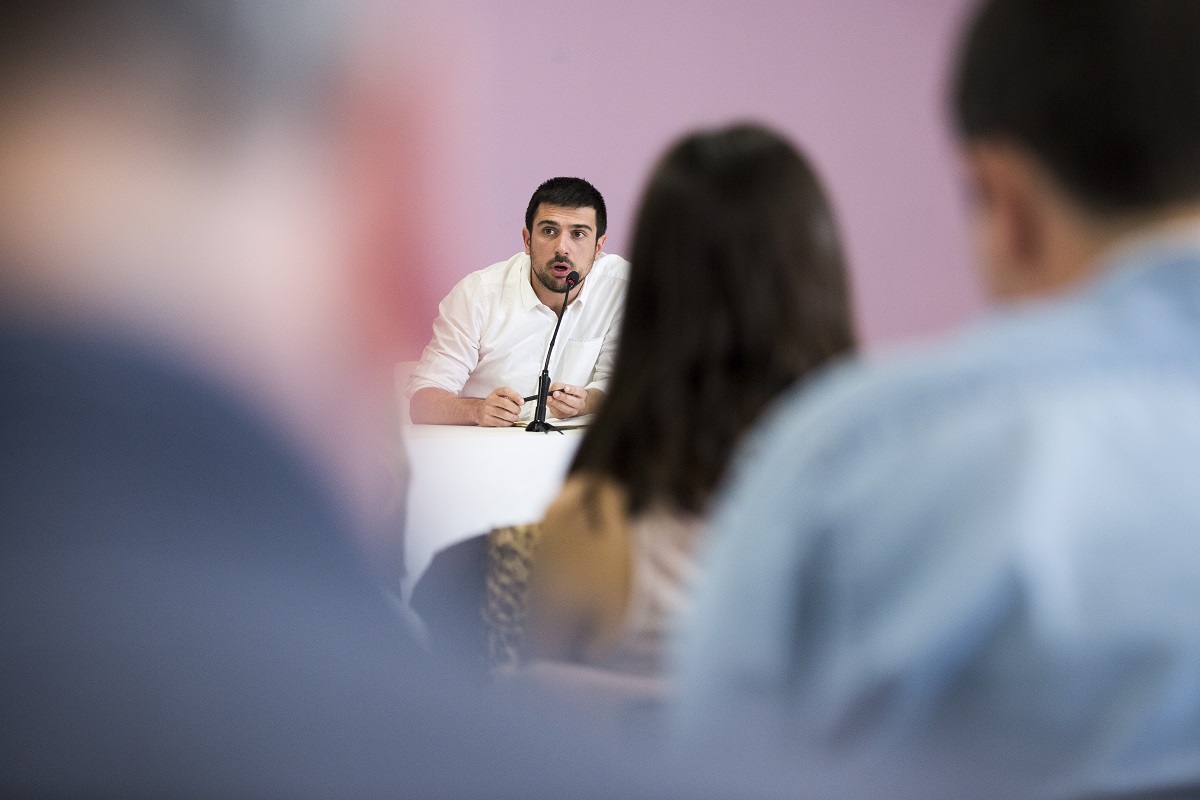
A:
(453, 352)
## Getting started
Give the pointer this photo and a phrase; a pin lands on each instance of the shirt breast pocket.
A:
(578, 361)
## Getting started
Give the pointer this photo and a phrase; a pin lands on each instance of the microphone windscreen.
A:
(572, 278)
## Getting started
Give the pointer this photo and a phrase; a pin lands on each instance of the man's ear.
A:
(1011, 210)
(527, 238)
(600, 243)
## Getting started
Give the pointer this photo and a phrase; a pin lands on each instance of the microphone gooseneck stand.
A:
(539, 424)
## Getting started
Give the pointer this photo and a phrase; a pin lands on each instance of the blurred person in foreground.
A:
(492, 330)
(189, 357)
(737, 292)
(984, 554)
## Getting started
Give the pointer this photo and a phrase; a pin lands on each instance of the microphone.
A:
(539, 424)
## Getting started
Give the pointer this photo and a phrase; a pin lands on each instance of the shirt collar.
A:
(529, 298)
(1140, 252)
(581, 300)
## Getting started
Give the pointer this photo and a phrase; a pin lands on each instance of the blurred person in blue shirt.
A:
(983, 556)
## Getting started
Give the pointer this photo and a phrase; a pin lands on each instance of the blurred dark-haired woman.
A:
(737, 291)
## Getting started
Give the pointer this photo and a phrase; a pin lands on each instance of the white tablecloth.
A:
(465, 481)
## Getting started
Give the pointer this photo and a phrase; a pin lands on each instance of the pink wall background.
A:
(599, 89)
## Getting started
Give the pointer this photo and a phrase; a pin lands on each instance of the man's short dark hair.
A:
(1104, 93)
(568, 193)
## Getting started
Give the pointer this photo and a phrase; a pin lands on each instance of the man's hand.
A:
(499, 409)
(565, 401)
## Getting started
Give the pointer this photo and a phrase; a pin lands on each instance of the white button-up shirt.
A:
(492, 331)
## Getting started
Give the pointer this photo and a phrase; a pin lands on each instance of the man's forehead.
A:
(564, 216)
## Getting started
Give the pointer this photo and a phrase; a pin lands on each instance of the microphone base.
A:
(541, 427)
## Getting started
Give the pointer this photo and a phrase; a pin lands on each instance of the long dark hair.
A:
(737, 290)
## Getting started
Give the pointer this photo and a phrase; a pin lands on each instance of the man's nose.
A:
(563, 245)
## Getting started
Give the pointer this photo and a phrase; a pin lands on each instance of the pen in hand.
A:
(533, 397)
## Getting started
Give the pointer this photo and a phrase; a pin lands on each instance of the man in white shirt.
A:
(492, 330)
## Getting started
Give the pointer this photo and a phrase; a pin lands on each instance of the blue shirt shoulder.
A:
(976, 532)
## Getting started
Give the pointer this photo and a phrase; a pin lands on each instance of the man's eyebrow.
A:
(558, 224)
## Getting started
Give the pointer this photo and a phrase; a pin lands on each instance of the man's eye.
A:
(580, 234)
(548, 231)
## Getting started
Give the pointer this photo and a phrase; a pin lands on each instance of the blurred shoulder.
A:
(1001, 363)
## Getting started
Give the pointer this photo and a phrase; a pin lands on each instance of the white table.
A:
(465, 481)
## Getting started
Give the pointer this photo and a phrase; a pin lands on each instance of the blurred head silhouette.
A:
(181, 311)
(737, 289)
(162, 170)
(1081, 126)
(204, 179)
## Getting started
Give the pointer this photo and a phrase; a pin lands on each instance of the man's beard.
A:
(550, 281)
